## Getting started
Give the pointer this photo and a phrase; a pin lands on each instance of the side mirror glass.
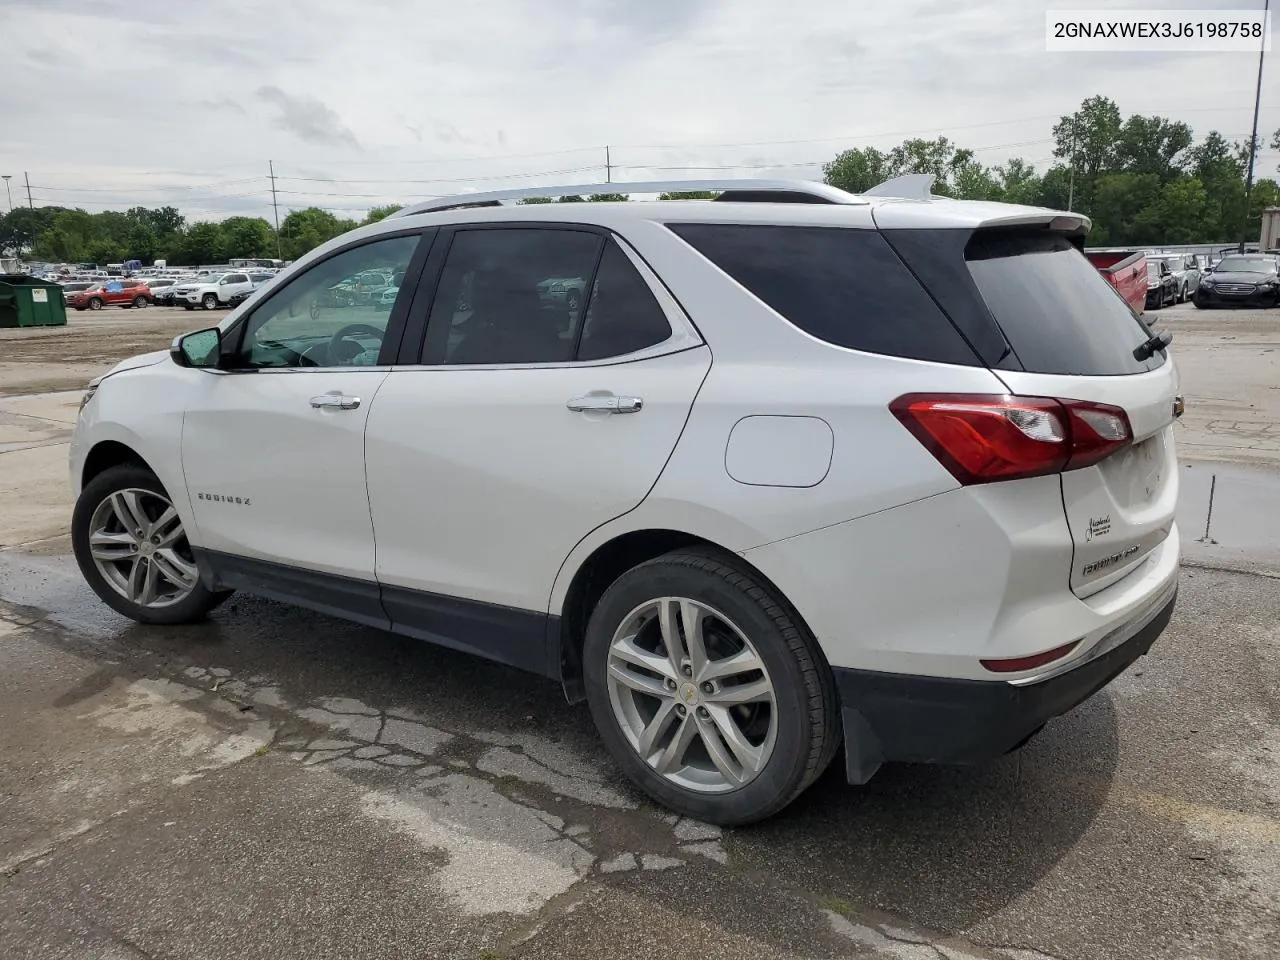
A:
(200, 349)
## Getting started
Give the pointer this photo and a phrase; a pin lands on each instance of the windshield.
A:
(1246, 265)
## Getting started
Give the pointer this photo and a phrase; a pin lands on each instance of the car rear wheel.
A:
(708, 692)
(95, 304)
(132, 549)
(139, 302)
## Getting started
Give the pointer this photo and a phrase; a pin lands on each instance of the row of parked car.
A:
(1238, 279)
(207, 291)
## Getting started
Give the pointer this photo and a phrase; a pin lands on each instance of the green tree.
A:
(201, 243)
(858, 170)
(304, 230)
(246, 237)
(1087, 141)
(142, 242)
(1216, 164)
(165, 221)
(68, 237)
(1153, 145)
(939, 157)
(1176, 216)
(21, 227)
(381, 213)
(533, 200)
(1119, 204)
(1019, 182)
(608, 198)
(689, 195)
(970, 180)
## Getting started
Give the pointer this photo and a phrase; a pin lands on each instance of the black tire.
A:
(808, 709)
(139, 302)
(95, 304)
(209, 301)
(188, 306)
(191, 609)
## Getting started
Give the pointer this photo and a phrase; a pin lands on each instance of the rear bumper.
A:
(898, 717)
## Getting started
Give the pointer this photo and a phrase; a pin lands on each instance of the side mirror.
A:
(201, 349)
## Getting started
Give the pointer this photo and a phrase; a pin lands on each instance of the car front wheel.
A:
(132, 549)
(708, 692)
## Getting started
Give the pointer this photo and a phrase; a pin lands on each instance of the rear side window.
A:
(844, 286)
(1057, 312)
(623, 315)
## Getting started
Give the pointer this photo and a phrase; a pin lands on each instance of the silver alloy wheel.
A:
(692, 695)
(138, 544)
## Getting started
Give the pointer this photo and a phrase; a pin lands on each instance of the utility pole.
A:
(1071, 184)
(1253, 137)
(6, 178)
(608, 165)
(271, 169)
(28, 180)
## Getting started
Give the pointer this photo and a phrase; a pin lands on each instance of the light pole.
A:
(1253, 138)
(6, 177)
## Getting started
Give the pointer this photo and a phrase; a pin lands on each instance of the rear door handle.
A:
(336, 401)
(605, 403)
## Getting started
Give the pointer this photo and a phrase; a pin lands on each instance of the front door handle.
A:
(605, 403)
(336, 401)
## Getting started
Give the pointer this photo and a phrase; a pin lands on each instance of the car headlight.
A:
(1267, 285)
(89, 391)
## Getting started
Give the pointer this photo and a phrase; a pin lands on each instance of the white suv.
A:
(214, 291)
(892, 472)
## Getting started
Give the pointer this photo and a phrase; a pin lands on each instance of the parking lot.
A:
(275, 783)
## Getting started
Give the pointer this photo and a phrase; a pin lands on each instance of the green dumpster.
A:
(31, 302)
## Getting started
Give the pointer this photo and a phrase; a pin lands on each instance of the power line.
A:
(140, 189)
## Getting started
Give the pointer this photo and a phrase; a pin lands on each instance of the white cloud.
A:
(149, 101)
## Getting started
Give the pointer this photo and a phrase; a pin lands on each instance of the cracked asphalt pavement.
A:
(279, 784)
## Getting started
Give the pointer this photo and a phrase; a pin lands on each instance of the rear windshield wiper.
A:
(1145, 350)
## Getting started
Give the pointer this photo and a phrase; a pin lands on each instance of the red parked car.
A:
(116, 293)
(1126, 271)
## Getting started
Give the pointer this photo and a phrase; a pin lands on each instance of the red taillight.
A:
(982, 438)
(1016, 664)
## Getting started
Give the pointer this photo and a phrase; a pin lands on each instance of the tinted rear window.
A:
(1057, 312)
(844, 286)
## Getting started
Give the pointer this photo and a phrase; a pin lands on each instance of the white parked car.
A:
(896, 473)
(213, 291)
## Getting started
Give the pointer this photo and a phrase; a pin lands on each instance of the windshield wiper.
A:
(1159, 341)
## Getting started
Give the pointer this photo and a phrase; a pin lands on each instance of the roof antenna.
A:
(909, 186)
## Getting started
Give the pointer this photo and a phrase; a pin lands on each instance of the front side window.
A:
(319, 318)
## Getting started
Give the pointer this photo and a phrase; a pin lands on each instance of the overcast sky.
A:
(112, 103)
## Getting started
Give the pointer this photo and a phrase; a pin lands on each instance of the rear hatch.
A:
(1069, 336)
